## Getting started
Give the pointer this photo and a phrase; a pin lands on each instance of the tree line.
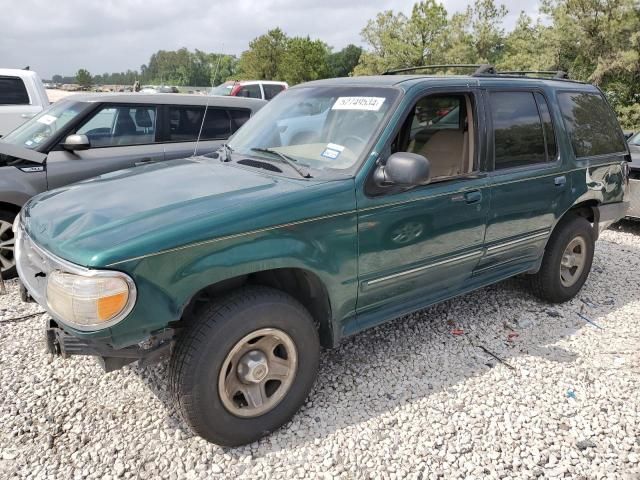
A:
(596, 41)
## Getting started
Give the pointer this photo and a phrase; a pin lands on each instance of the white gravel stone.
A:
(405, 400)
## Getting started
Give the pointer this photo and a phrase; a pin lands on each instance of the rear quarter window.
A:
(591, 124)
(13, 91)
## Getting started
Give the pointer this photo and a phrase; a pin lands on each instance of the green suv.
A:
(340, 205)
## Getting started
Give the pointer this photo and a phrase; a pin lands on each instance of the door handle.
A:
(144, 161)
(28, 115)
(473, 196)
(560, 181)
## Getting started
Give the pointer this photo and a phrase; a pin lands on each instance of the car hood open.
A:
(149, 209)
(11, 150)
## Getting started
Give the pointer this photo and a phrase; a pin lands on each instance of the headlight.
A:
(90, 302)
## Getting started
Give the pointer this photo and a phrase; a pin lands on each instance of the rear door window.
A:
(239, 117)
(591, 124)
(271, 90)
(249, 91)
(185, 123)
(518, 133)
(13, 91)
(120, 125)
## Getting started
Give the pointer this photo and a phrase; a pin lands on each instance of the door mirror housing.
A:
(76, 142)
(404, 169)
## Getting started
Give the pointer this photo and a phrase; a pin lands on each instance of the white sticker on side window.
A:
(372, 104)
(47, 119)
(332, 151)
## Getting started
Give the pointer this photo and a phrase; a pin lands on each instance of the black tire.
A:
(204, 345)
(7, 217)
(546, 284)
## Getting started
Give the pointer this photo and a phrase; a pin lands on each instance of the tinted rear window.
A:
(13, 91)
(239, 117)
(518, 134)
(591, 124)
(271, 90)
(185, 122)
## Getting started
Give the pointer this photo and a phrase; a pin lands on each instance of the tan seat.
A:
(445, 150)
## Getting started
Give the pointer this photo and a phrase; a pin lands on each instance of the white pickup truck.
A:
(22, 96)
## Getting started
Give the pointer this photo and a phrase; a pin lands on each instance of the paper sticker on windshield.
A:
(47, 119)
(371, 104)
(332, 151)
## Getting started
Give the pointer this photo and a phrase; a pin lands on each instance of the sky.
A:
(61, 36)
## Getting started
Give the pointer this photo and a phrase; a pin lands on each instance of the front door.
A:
(421, 245)
(121, 136)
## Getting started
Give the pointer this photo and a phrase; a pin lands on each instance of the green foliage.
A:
(593, 40)
(342, 63)
(83, 78)
(265, 56)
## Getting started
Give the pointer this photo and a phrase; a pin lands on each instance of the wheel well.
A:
(303, 285)
(587, 210)
(9, 207)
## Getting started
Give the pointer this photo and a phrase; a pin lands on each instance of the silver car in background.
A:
(89, 135)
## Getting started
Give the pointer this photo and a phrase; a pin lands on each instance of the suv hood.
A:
(144, 210)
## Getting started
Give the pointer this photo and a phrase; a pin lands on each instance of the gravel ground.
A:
(415, 398)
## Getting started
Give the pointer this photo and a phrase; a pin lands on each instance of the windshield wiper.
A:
(285, 158)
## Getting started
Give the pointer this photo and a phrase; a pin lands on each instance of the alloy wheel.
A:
(7, 246)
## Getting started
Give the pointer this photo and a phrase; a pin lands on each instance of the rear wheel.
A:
(567, 261)
(7, 245)
(245, 365)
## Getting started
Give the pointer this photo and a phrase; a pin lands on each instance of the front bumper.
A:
(155, 349)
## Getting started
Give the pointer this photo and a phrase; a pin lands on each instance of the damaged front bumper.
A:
(155, 349)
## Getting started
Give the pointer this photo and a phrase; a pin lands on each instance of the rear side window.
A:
(591, 124)
(13, 91)
(271, 90)
(249, 91)
(518, 133)
(185, 123)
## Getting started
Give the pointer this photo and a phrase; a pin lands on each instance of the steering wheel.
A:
(353, 142)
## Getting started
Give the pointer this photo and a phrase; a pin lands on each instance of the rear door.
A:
(527, 180)
(121, 136)
(183, 124)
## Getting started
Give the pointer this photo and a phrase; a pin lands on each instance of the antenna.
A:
(206, 106)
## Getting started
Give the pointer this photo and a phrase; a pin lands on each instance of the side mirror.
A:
(405, 169)
(76, 142)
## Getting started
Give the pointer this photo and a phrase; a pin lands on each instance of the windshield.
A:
(45, 125)
(223, 89)
(318, 127)
(635, 140)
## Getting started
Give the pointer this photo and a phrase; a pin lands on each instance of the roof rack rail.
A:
(556, 73)
(481, 70)
(484, 68)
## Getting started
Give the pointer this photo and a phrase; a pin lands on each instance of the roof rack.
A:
(479, 68)
(556, 73)
(482, 70)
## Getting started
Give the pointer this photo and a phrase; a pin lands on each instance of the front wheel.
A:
(567, 261)
(245, 365)
(7, 245)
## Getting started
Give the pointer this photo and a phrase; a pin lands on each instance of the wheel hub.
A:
(253, 367)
